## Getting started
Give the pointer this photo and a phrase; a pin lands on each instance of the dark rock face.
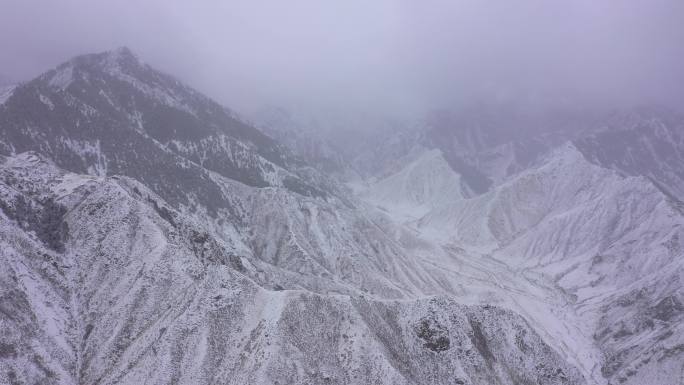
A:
(45, 218)
(668, 308)
(480, 341)
(110, 114)
(435, 336)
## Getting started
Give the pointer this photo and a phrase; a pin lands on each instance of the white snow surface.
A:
(423, 185)
(558, 243)
(145, 298)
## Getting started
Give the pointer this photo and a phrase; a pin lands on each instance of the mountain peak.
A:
(115, 62)
(123, 51)
(120, 60)
(123, 56)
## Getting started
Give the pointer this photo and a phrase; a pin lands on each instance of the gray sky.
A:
(393, 56)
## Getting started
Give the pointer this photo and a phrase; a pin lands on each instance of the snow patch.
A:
(62, 77)
(45, 100)
(6, 93)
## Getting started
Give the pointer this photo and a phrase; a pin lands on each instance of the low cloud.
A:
(389, 56)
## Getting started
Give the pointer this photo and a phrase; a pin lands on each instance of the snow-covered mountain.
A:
(151, 236)
(609, 243)
(122, 288)
(425, 184)
(110, 113)
(647, 141)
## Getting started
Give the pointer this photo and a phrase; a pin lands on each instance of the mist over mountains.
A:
(388, 58)
(151, 235)
(354, 193)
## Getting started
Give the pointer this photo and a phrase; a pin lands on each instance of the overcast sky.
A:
(397, 56)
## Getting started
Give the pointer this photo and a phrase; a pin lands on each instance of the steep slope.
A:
(611, 243)
(141, 294)
(564, 208)
(582, 239)
(648, 142)
(110, 113)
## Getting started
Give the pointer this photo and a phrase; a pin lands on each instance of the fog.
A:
(396, 57)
